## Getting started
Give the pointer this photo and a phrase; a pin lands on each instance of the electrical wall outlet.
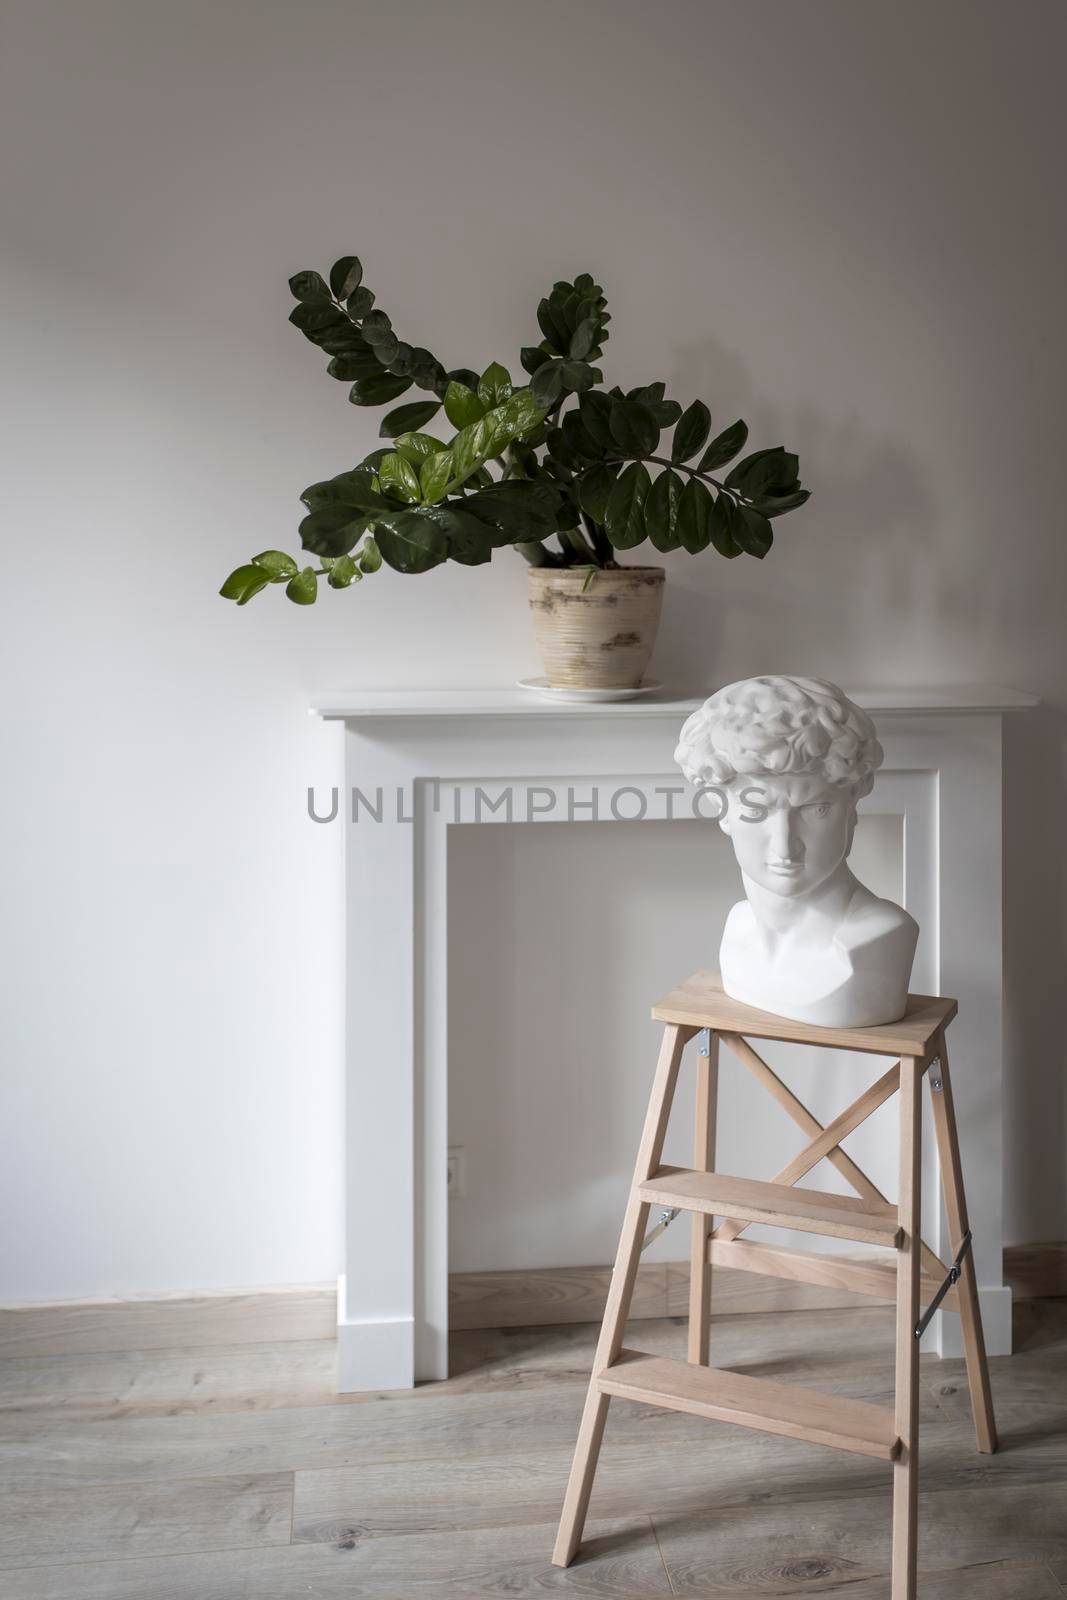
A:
(457, 1172)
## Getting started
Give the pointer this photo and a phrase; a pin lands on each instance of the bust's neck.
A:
(818, 913)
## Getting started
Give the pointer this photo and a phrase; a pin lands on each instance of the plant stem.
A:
(678, 466)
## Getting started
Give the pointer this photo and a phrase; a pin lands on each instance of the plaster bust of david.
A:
(793, 756)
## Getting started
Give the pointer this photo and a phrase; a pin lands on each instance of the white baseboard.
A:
(371, 1354)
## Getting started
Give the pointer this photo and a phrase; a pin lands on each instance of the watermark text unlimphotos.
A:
(535, 802)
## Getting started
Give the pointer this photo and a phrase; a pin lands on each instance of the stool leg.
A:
(620, 1293)
(906, 1467)
(703, 1161)
(948, 1150)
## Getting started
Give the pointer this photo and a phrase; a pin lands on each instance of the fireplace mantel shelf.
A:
(360, 704)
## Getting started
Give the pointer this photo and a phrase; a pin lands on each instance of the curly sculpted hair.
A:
(773, 726)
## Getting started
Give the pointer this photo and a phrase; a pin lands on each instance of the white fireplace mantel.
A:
(423, 760)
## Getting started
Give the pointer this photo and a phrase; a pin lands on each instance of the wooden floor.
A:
(235, 1474)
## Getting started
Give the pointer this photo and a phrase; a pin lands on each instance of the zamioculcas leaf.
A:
(594, 487)
(468, 538)
(370, 557)
(360, 301)
(362, 363)
(533, 357)
(752, 531)
(333, 530)
(634, 427)
(693, 526)
(411, 541)
(245, 582)
(407, 418)
(343, 572)
(277, 563)
(722, 527)
(494, 386)
(399, 478)
(377, 327)
(553, 330)
(776, 505)
(378, 389)
(387, 348)
(577, 376)
(353, 488)
(346, 276)
(546, 385)
(594, 408)
(310, 289)
(415, 447)
(515, 513)
(303, 588)
(661, 511)
(724, 447)
(435, 474)
(462, 405)
(692, 432)
(625, 521)
(583, 339)
(772, 471)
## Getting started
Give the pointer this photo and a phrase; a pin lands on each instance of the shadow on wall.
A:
(1035, 971)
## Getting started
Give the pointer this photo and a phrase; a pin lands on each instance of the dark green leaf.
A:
(772, 471)
(724, 446)
(594, 487)
(494, 386)
(546, 385)
(310, 289)
(387, 348)
(245, 582)
(378, 390)
(722, 527)
(752, 531)
(577, 376)
(666, 412)
(370, 557)
(584, 339)
(554, 330)
(633, 427)
(694, 517)
(776, 505)
(578, 439)
(276, 563)
(691, 433)
(532, 357)
(353, 489)
(411, 541)
(346, 276)
(624, 520)
(462, 405)
(468, 538)
(358, 363)
(661, 511)
(303, 588)
(377, 327)
(360, 301)
(334, 530)
(516, 512)
(406, 419)
(343, 571)
(322, 324)
(435, 474)
(594, 408)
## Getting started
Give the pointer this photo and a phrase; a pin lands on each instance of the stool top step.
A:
(699, 1002)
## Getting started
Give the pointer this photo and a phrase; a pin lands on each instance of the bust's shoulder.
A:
(871, 920)
(740, 920)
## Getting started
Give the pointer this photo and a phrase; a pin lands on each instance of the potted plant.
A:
(567, 472)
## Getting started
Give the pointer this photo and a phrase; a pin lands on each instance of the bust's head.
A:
(794, 755)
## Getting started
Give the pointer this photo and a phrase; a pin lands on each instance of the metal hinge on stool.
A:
(952, 1277)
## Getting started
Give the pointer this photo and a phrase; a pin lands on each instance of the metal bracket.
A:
(952, 1277)
(665, 1220)
(934, 1073)
(704, 1042)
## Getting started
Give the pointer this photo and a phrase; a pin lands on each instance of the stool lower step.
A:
(757, 1403)
(841, 1216)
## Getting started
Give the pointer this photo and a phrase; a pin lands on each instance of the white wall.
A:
(843, 221)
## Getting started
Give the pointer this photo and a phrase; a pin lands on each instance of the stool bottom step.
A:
(758, 1403)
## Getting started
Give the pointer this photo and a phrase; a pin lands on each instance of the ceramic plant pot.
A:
(595, 632)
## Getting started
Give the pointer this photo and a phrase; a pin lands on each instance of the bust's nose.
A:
(785, 846)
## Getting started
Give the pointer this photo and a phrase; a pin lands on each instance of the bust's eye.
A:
(823, 809)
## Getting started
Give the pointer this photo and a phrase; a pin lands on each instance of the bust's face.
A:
(803, 835)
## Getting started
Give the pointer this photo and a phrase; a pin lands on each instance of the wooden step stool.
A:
(699, 1007)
